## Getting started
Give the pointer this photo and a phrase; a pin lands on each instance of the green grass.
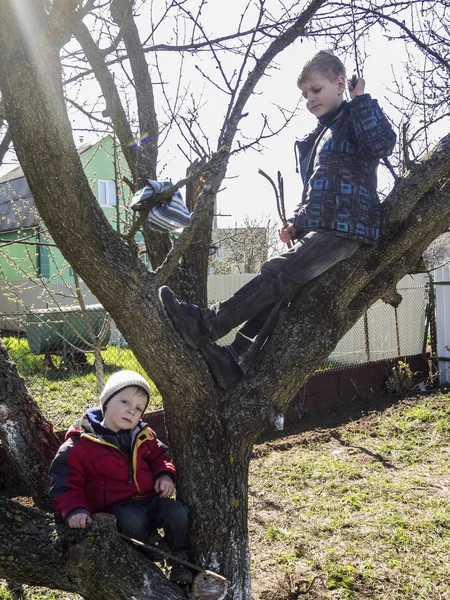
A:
(366, 512)
(64, 392)
(14, 591)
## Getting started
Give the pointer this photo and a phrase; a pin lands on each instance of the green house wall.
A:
(98, 164)
(18, 262)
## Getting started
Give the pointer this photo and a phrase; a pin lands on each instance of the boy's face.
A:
(322, 95)
(124, 409)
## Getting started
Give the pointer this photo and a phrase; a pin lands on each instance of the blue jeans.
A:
(140, 518)
(258, 303)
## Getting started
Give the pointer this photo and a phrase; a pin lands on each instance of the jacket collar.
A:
(303, 146)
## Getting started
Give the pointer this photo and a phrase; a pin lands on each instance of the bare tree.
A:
(211, 433)
(244, 249)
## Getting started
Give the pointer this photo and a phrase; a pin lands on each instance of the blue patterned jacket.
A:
(339, 171)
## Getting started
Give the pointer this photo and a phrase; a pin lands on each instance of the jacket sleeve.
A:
(67, 479)
(375, 137)
(160, 460)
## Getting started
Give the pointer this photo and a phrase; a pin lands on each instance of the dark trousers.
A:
(138, 519)
(258, 303)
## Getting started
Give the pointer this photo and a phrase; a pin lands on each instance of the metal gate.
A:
(440, 283)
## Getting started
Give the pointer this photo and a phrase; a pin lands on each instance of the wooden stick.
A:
(279, 196)
(186, 563)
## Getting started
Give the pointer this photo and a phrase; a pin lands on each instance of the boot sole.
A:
(214, 368)
(171, 306)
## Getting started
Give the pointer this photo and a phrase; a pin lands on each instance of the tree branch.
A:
(184, 47)
(426, 49)
(93, 562)
(25, 433)
(422, 177)
(114, 106)
(148, 124)
(278, 45)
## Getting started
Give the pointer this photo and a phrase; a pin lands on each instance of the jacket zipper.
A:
(308, 170)
(130, 463)
(309, 166)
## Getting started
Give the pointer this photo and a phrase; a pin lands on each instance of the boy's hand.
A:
(356, 86)
(79, 521)
(164, 486)
(287, 233)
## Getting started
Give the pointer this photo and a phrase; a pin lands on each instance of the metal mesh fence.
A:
(69, 352)
(383, 332)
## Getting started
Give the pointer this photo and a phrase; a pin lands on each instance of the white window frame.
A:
(107, 193)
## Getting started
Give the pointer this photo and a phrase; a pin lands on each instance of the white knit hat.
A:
(121, 380)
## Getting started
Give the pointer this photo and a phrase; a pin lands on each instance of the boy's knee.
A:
(174, 510)
(132, 520)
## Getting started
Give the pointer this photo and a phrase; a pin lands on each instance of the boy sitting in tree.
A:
(338, 212)
(112, 462)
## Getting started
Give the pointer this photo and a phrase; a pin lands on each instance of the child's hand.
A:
(287, 233)
(164, 486)
(79, 521)
(356, 86)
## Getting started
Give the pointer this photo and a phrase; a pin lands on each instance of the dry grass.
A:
(356, 511)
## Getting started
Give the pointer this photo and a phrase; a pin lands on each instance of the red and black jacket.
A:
(91, 473)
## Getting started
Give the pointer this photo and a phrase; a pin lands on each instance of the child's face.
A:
(322, 95)
(124, 409)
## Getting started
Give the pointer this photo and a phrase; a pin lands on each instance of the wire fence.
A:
(68, 353)
(383, 332)
(53, 346)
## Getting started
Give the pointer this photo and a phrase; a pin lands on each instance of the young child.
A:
(339, 211)
(112, 462)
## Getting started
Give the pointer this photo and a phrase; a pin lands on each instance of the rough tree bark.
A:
(96, 565)
(26, 435)
(211, 433)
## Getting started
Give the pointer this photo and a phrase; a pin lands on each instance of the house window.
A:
(106, 192)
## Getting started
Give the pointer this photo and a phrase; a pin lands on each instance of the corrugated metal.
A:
(13, 174)
(17, 208)
(221, 287)
(442, 293)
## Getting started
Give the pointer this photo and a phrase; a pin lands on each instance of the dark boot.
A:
(187, 318)
(155, 541)
(222, 365)
(179, 573)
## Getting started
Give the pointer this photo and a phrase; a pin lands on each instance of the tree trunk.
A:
(212, 459)
(25, 433)
(190, 280)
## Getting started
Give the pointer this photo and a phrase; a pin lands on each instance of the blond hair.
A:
(325, 63)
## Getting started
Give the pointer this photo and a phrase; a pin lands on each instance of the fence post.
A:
(366, 336)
